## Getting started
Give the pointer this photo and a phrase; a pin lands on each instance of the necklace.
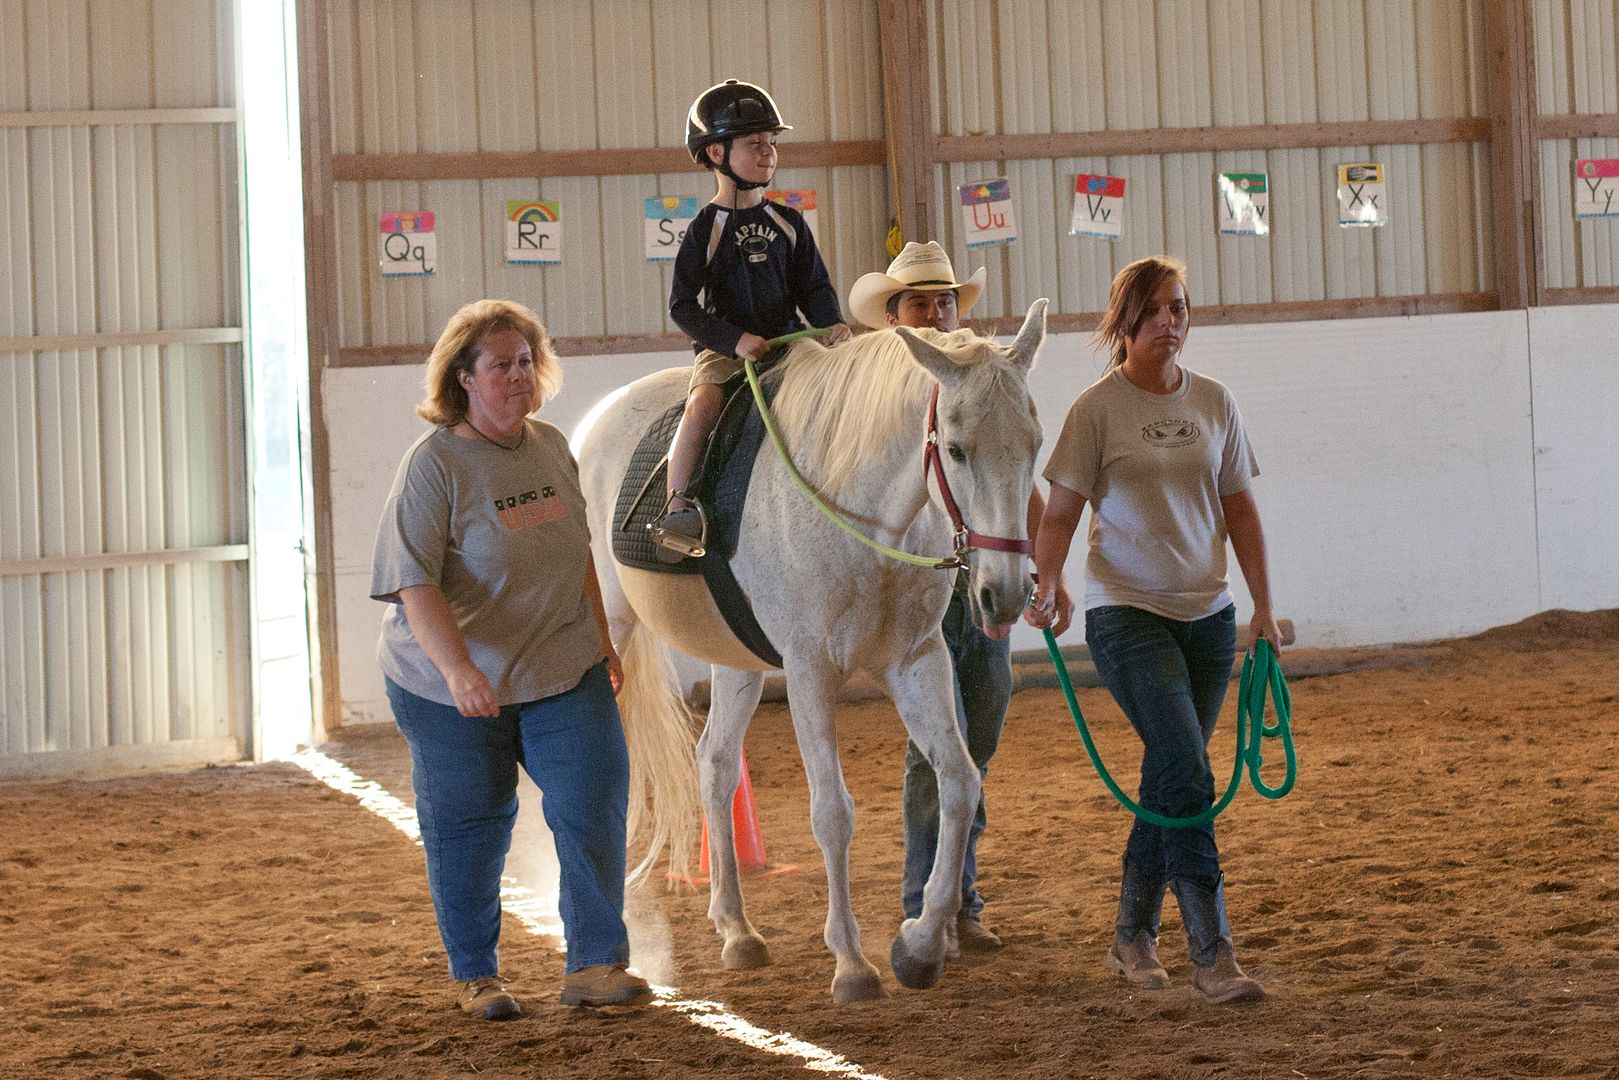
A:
(522, 433)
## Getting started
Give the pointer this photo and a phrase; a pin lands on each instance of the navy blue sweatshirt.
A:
(749, 271)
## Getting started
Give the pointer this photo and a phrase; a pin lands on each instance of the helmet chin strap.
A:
(725, 167)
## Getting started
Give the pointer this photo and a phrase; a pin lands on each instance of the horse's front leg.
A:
(922, 692)
(734, 698)
(811, 689)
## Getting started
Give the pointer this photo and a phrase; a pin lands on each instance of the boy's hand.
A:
(840, 333)
(751, 345)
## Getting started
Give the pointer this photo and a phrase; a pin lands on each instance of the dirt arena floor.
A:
(1439, 897)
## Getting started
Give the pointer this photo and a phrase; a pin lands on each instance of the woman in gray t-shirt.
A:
(496, 654)
(1160, 455)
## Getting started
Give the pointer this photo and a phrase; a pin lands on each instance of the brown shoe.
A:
(605, 984)
(974, 936)
(487, 998)
(1223, 981)
(1138, 962)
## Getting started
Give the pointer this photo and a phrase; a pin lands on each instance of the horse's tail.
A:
(665, 809)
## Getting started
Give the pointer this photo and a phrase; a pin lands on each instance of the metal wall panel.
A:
(1576, 71)
(1017, 66)
(119, 450)
(576, 75)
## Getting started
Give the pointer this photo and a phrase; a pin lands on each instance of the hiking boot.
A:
(973, 936)
(1223, 981)
(680, 534)
(1137, 961)
(1208, 933)
(487, 999)
(604, 984)
(952, 941)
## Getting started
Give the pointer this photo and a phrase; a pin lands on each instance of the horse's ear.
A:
(1029, 338)
(940, 364)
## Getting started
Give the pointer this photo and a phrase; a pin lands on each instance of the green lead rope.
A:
(1261, 676)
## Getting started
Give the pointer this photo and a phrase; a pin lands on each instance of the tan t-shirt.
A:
(1153, 468)
(503, 533)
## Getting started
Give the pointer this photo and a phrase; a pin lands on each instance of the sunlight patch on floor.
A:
(539, 916)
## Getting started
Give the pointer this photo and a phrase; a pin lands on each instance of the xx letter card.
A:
(1362, 195)
(800, 199)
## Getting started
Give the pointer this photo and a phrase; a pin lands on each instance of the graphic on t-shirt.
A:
(530, 508)
(755, 240)
(1170, 432)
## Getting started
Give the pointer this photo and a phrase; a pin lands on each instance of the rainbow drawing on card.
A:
(541, 210)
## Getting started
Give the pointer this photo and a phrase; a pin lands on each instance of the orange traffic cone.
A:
(750, 841)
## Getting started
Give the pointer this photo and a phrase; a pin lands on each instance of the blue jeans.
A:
(1170, 678)
(983, 689)
(464, 770)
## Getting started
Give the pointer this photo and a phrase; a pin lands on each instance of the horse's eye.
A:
(957, 454)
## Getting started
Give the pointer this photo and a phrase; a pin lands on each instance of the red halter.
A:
(965, 539)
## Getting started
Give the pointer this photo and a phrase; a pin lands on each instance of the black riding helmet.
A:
(725, 111)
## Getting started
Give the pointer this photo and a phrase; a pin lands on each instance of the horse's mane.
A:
(836, 404)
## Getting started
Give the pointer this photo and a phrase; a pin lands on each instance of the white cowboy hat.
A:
(923, 267)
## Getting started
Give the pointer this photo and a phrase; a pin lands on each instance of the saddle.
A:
(720, 483)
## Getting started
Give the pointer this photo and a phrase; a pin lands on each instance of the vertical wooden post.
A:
(908, 115)
(320, 263)
(1514, 153)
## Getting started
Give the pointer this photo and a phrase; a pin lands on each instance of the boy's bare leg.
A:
(683, 520)
(702, 409)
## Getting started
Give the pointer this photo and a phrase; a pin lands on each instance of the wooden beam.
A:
(525, 164)
(101, 117)
(1080, 322)
(1514, 172)
(62, 564)
(908, 115)
(320, 269)
(205, 335)
(1578, 126)
(1209, 139)
(1589, 294)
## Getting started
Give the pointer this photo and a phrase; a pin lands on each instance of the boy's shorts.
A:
(713, 367)
(719, 369)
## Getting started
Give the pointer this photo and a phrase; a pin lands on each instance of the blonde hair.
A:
(1133, 289)
(457, 351)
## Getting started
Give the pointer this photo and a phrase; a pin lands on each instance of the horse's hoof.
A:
(912, 970)
(745, 953)
(858, 986)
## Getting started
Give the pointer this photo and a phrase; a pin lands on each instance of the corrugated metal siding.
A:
(570, 75)
(125, 449)
(1014, 66)
(1576, 71)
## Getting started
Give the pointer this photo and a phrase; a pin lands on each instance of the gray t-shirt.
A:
(1153, 468)
(503, 534)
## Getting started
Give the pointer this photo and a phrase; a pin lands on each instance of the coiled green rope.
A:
(1261, 675)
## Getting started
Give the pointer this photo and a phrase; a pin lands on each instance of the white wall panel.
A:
(1406, 491)
(1576, 383)
(119, 451)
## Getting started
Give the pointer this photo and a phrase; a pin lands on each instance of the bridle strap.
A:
(965, 539)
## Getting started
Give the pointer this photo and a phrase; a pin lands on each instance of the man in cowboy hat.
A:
(920, 290)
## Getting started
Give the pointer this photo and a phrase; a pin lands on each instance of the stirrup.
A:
(682, 544)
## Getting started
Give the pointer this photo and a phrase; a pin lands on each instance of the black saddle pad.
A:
(723, 481)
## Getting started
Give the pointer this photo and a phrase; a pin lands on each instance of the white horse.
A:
(854, 418)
